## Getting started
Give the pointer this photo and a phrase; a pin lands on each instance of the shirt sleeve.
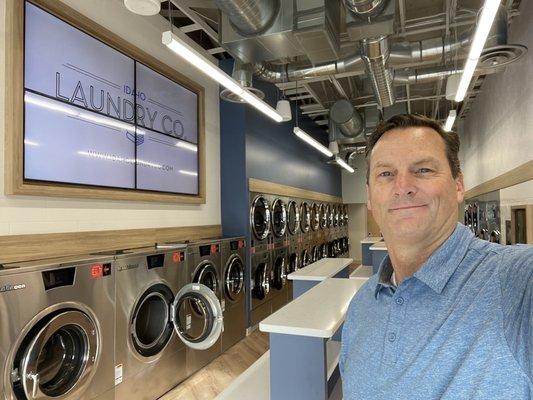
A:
(516, 279)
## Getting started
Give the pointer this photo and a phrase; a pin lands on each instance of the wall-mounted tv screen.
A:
(94, 116)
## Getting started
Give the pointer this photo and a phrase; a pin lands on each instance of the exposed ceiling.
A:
(407, 21)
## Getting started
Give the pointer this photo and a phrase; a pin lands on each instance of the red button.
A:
(214, 249)
(97, 271)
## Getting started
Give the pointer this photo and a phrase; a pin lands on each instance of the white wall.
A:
(354, 185)
(357, 215)
(28, 214)
(497, 134)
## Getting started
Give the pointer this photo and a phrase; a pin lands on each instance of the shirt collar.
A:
(440, 266)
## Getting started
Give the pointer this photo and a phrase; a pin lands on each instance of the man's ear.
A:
(368, 201)
(460, 188)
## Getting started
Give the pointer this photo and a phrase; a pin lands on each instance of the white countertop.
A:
(371, 239)
(317, 313)
(320, 270)
(362, 272)
(379, 246)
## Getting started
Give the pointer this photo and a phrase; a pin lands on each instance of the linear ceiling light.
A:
(192, 56)
(309, 140)
(488, 13)
(450, 120)
(344, 165)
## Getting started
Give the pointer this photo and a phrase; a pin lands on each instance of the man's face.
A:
(411, 191)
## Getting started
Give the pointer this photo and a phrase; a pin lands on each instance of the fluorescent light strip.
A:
(309, 140)
(190, 55)
(30, 143)
(490, 8)
(344, 165)
(56, 105)
(450, 120)
(191, 173)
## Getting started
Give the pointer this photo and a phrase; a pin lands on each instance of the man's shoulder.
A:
(508, 254)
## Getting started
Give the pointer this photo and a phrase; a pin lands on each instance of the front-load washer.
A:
(323, 217)
(233, 256)
(57, 339)
(305, 217)
(204, 267)
(149, 357)
(315, 217)
(260, 222)
(260, 284)
(279, 221)
(293, 218)
(278, 281)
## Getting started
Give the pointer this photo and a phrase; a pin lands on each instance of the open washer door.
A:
(197, 316)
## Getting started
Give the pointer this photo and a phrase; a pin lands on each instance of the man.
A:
(447, 316)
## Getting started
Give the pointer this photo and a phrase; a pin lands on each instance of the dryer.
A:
(149, 357)
(233, 256)
(279, 222)
(260, 284)
(204, 267)
(57, 327)
(260, 222)
(278, 282)
(293, 219)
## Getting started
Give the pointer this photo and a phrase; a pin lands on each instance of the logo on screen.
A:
(131, 137)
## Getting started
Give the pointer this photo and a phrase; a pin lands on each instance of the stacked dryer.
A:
(280, 252)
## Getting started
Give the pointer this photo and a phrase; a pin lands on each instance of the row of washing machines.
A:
(288, 234)
(125, 325)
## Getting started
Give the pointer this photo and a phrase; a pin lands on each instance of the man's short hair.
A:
(451, 139)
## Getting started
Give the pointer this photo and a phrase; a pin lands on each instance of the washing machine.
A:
(57, 329)
(149, 358)
(260, 284)
(204, 267)
(278, 283)
(260, 223)
(233, 257)
(293, 263)
(279, 222)
(293, 219)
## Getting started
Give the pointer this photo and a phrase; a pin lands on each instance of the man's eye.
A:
(424, 170)
(385, 173)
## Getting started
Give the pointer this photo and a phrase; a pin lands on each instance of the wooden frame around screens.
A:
(14, 110)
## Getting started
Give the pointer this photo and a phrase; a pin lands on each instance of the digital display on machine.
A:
(205, 250)
(155, 261)
(94, 116)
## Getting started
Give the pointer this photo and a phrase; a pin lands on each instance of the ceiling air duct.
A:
(249, 17)
(242, 73)
(375, 53)
(347, 119)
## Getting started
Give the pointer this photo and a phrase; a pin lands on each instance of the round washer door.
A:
(293, 219)
(305, 220)
(260, 217)
(279, 273)
(323, 216)
(198, 330)
(261, 283)
(279, 218)
(294, 262)
(207, 275)
(150, 326)
(234, 278)
(59, 360)
(315, 217)
(306, 260)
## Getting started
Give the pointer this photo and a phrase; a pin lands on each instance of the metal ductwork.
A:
(365, 9)
(375, 54)
(347, 119)
(424, 75)
(242, 73)
(434, 49)
(249, 17)
(276, 73)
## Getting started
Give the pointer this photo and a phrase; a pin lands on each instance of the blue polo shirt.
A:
(459, 328)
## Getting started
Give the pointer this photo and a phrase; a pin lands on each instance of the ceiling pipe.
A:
(375, 54)
(347, 119)
(424, 75)
(250, 17)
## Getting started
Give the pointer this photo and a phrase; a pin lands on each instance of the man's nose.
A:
(404, 185)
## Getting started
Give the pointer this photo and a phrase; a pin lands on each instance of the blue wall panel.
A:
(275, 154)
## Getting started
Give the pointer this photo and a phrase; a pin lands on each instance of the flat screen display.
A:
(94, 116)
